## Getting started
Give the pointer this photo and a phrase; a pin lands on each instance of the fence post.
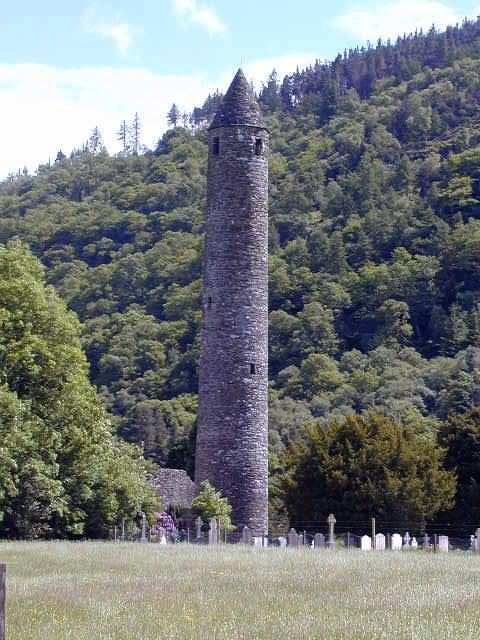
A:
(374, 533)
(3, 589)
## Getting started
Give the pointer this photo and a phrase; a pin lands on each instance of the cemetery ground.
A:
(125, 591)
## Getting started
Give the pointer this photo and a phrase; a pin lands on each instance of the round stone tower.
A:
(232, 451)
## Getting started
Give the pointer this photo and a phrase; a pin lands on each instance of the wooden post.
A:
(3, 594)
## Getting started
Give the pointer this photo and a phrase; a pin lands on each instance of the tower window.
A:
(258, 146)
(253, 369)
(209, 301)
(216, 146)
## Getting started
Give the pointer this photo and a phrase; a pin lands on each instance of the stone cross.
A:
(331, 531)
(198, 527)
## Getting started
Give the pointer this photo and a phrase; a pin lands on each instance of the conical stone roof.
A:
(239, 106)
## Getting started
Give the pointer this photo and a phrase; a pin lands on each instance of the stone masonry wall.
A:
(233, 414)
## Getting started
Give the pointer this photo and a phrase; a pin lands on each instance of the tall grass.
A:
(100, 591)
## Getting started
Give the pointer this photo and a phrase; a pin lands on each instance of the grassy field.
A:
(95, 591)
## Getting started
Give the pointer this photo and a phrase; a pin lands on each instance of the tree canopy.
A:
(62, 473)
(362, 467)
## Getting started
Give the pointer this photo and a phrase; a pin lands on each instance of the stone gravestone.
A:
(379, 542)
(426, 542)
(213, 532)
(282, 542)
(301, 540)
(198, 528)
(246, 536)
(319, 541)
(292, 538)
(443, 543)
(406, 541)
(414, 543)
(397, 542)
(257, 541)
(366, 543)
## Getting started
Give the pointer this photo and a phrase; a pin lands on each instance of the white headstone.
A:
(443, 543)
(366, 543)
(257, 541)
(163, 539)
(379, 542)
(406, 540)
(282, 542)
(396, 542)
(414, 543)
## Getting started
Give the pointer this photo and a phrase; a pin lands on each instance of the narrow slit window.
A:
(216, 146)
(253, 369)
(209, 301)
(258, 147)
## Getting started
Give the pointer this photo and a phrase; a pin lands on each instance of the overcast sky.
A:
(68, 66)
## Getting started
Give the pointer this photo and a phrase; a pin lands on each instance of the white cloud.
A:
(390, 19)
(45, 108)
(112, 28)
(201, 14)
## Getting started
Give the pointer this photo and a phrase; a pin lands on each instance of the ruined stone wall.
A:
(233, 415)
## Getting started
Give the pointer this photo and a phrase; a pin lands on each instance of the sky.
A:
(66, 67)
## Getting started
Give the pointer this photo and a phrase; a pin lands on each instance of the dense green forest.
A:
(374, 249)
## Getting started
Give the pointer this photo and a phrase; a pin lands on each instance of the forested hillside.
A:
(374, 248)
